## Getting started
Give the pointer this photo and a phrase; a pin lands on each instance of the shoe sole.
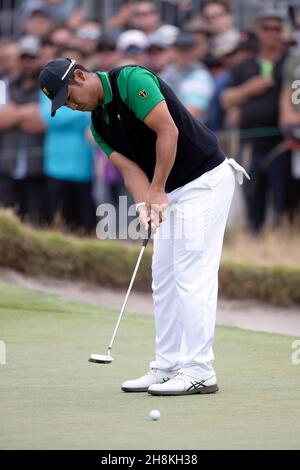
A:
(202, 391)
(134, 390)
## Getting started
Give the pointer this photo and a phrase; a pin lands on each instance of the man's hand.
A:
(156, 204)
(144, 219)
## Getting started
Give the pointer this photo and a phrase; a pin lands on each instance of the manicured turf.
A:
(52, 398)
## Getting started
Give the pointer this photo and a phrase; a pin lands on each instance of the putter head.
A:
(100, 359)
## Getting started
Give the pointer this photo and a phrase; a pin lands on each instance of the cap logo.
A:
(45, 90)
(143, 94)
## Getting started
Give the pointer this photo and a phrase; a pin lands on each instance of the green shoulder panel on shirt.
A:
(140, 90)
(102, 144)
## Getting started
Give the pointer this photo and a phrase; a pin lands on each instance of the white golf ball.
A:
(154, 415)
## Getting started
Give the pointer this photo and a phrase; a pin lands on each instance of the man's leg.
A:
(165, 299)
(196, 263)
(166, 309)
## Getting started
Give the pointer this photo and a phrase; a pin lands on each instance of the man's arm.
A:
(9, 116)
(160, 121)
(238, 95)
(135, 180)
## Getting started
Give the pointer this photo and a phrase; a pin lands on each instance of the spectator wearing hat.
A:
(107, 55)
(133, 45)
(230, 57)
(21, 138)
(189, 78)
(255, 90)
(160, 53)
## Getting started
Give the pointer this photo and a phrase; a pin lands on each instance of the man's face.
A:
(145, 17)
(82, 96)
(218, 20)
(9, 60)
(30, 66)
(269, 32)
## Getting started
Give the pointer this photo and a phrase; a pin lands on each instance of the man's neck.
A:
(273, 54)
(98, 89)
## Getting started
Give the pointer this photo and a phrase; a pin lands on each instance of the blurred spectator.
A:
(67, 11)
(37, 20)
(133, 44)
(71, 52)
(68, 164)
(121, 16)
(21, 138)
(9, 59)
(178, 12)
(220, 23)
(190, 79)
(255, 90)
(160, 53)
(145, 16)
(88, 36)
(202, 44)
(48, 52)
(230, 57)
(107, 56)
(290, 122)
(62, 36)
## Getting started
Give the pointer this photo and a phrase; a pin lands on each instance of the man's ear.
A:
(79, 75)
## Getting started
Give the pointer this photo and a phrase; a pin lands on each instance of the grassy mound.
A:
(110, 263)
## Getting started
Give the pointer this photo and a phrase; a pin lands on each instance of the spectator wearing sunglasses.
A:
(88, 35)
(145, 16)
(255, 91)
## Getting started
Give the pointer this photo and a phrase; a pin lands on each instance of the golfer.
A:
(169, 160)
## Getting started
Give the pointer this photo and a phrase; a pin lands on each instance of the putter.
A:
(107, 359)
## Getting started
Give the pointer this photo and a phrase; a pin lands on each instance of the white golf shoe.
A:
(154, 376)
(183, 384)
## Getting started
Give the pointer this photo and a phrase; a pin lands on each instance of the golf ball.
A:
(154, 415)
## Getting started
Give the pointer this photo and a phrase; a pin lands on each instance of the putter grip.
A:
(145, 241)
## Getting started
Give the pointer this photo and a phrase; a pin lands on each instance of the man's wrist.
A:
(138, 205)
(159, 188)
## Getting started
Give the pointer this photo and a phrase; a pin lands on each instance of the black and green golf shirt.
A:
(130, 93)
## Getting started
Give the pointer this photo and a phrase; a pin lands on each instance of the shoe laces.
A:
(179, 376)
(152, 371)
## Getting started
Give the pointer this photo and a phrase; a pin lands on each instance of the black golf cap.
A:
(54, 79)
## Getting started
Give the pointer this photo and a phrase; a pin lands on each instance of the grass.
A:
(52, 398)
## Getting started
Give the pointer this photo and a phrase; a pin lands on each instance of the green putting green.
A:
(51, 397)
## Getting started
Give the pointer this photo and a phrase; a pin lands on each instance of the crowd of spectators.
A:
(229, 79)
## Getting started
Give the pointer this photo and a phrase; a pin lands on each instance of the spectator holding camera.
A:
(255, 90)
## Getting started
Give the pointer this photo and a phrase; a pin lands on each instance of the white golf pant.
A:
(185, 264)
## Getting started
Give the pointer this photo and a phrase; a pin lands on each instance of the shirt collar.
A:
(106, 87)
